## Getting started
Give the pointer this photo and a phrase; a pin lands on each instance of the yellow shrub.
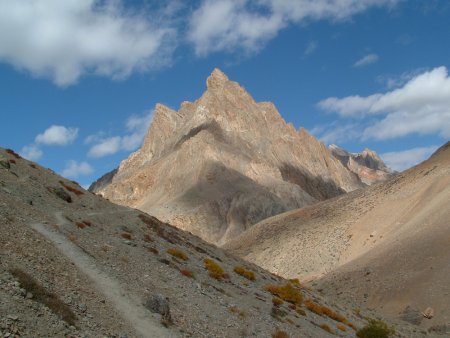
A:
(286, 292)
(250, 275)
(214, 269)
(177, 253)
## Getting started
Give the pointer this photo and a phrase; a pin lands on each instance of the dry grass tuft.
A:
(341, 327)
(13, 153)
(280, 334)
(250, 275)
(286, 292)
(127, 236)
(177, 253)
(147, 238)
(80, 225)
(215, 270)
(322, 310)
(187, 273)
(72, 238)
(300, 311)
(71, 189)
(32, 165)
(43, 296)
(153, 250)
(277, 301)
(326, 328)
(237, 311)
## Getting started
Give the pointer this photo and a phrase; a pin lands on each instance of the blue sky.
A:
(79, 79)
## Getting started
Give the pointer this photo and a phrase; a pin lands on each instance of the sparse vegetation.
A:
(43, 296)
(325, 327)
(12, 161)
(250, 275)
(187, 273)
(280, 334)
(147, 238)
(236, 310)
(153, 250)
(13, 153)
(32, 165)
(80, 225)
(375, 329)
(277, 301)
(286, 292)
(71, 189)
(214, 269)
(322, 310)
(127, 236)
(341, 327)
(177, 253)
(88, 223)
(300, 311)
(72, 238)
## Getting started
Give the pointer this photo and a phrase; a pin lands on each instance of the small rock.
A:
(428, 313)
(159, 304)
(12, 317)
(29, 295)
(82, 307)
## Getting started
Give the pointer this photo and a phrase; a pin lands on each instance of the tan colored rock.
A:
(222, 163)
(368, 166)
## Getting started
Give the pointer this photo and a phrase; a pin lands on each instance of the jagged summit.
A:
(224, 162)
(217, 79)
(367, 165)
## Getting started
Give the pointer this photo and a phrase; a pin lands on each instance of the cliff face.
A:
(368, 166)
(223, 163)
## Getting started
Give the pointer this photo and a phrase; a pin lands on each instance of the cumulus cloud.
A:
(336, 132)
(401, 160)
(227, 25)
(421, 106)
(74, 169)
(31, 152)
(366, 60)
(63, 40)
(57, 135)
(136, 126)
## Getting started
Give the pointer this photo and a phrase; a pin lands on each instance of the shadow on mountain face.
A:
(317, 187)
(212, 127)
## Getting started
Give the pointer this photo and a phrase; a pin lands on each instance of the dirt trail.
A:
(128, 306)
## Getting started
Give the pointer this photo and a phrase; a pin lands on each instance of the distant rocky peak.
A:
(367, 165)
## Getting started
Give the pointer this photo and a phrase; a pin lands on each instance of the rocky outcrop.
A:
(224, 162)
(368, 166)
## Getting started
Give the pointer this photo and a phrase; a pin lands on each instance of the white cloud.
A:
(401, 160)
(366, 60)
(57, 135)
(74, 169)
(105, 147)
(136, 127)
(31, 152)
(227, 25)
(63, 40)
(311, 48)
(336, 133)
(421, 106)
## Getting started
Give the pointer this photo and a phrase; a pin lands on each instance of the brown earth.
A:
(385, 247)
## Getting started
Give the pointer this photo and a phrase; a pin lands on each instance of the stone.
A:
(159, 304)
(428, 313)
(82, 307)
(61, 193)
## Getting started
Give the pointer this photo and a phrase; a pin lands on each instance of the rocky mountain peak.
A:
(367, 165)
(222, 163)
(217, 79)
